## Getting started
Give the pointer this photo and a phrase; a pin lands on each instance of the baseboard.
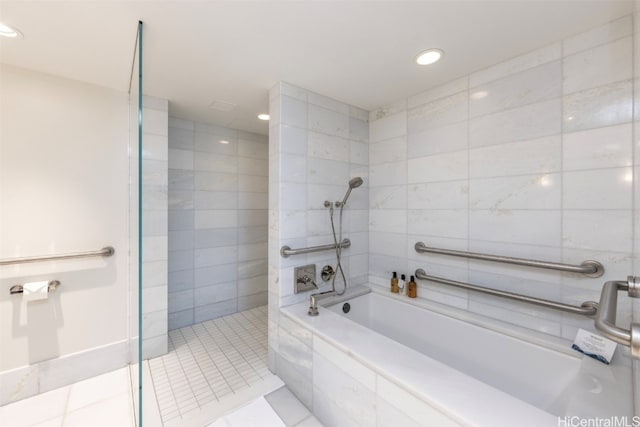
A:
(26, 381)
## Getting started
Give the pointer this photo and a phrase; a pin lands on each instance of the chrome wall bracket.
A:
(605, 320)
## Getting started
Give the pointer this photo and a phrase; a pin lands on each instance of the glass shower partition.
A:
(148, 235)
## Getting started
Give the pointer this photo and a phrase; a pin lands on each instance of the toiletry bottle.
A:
(401, 285)
(394, 283)
(412, 288)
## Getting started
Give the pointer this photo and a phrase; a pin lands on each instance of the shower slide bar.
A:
(588, 308)
(105, 252)
(286, 251)
(589, 268)
(18, 289)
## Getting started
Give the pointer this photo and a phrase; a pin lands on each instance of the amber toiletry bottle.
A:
(412, 288)
(394, 283)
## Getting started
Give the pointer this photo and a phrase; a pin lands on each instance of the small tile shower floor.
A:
(217, 361)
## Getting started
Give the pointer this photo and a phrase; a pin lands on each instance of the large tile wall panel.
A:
(217, 217)
(532, 157)
(316, 145)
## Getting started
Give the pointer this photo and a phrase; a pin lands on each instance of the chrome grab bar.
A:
(105, 252)
(588, 308)
(286, 251)
(18, 289)
(605, 320)
(589, 268)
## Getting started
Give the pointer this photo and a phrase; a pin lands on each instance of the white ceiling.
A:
(360, 52)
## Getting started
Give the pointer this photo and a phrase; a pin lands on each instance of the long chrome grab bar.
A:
(286, 251)
(605, 320)
(587, 308)
(105, 252)
(589, 268)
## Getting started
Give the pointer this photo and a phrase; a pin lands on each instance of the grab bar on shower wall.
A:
(605, 320)
(286, 251)
(589, 268)
(587, 308)
(105, 252)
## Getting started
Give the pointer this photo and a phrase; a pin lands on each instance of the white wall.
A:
(529, 158)
(63, 188)
(217, 221)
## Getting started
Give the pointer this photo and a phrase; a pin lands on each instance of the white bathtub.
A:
(471, 374)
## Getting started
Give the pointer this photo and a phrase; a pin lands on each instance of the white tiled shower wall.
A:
(530, 158)
(217, 221)
(316, 145)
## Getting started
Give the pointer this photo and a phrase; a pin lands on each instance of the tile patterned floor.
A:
(211, 369)
(210, 361)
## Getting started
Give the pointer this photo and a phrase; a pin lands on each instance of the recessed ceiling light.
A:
(7, 31)
(429, 56)
(263, 116)
(223, 141)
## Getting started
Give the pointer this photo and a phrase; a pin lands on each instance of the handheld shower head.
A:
(353, 183)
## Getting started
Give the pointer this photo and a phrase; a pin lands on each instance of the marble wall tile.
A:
(442, 91)
(336, 392)
(388, 151)
(444, 111)
(598, 107)
(605, 147)
(329, 147)
(388, 127)
(441, 222)
(598, 189)
(515, 226)
(541, 155)
(598, 66)
(388, 174)
(438, 195)
(388, 197)
(438, 167)
(608, 230)
(538, 191)
(527, 87)
(324, 120)
(520, 63)
(217, 218)
(609, 32)
(443, 139)
(517, 124)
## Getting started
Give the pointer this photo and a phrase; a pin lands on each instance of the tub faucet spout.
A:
(314, 298)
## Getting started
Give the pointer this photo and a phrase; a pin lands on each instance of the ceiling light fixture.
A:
(7, 31)
(429, 56)
(263, 116)
(223, 141)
